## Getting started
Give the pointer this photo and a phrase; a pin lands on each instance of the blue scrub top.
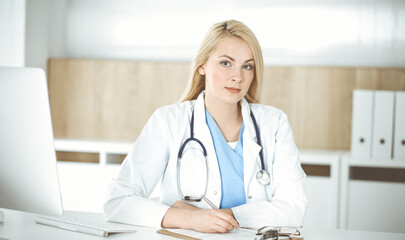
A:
(230, 163)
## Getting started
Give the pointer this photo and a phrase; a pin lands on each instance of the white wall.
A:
(293, 32)
(45, 31)
(309, 32)
(31, 31)
(57, 28)
(37, 33)
(12, 25)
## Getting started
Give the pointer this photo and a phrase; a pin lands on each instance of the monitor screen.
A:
(28, 170)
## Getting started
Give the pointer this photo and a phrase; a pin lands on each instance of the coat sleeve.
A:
(127, 199)
(287, 205)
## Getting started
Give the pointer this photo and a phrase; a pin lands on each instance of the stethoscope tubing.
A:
(259, 141)
(191, 138)
(262, 175)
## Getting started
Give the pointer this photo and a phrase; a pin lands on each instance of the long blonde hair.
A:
(217, 32)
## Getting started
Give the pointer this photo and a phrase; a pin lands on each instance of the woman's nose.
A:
(237, 75)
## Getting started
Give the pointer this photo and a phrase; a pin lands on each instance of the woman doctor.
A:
(251, 171)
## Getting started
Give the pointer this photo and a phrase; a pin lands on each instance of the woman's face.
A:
(229, 71)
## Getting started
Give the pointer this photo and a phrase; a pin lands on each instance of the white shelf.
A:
(320, 157)
(378, 163)
(76, 145)
(103, 148)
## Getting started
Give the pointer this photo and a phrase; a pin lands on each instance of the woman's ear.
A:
(201, 69)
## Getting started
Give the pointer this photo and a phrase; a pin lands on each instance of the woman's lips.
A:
(233, 90)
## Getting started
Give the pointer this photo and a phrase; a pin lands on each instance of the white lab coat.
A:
(154, 156)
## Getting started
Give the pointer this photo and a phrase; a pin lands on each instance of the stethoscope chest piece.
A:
(263, 177)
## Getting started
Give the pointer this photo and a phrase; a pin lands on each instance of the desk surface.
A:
(20, 225)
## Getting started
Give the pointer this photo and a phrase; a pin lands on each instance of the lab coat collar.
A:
(200, 118)
(200, 128)
(250, 147)
(247, 120)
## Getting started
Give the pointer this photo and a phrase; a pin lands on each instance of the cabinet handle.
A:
(382, 141)
(362, 140)
(403, 142)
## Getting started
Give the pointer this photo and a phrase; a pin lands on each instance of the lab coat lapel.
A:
(202, 132)
(250, 147)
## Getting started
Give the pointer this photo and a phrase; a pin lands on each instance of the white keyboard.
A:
(90, 223)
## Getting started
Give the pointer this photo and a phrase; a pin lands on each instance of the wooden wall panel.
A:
(103, 99)
(110, 99)
(317, 102)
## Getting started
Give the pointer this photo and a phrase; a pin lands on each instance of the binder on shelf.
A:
(383, 121)
(399, 129)
(362, 117)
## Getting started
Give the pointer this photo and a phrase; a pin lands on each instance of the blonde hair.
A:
(217, 32)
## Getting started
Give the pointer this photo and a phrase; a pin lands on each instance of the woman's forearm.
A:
(177, 218)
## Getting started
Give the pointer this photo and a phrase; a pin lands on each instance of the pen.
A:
(209, 202)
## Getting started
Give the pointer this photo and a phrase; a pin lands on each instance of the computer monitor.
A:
(28, 171)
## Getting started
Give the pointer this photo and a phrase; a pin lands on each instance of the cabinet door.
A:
(321, 190)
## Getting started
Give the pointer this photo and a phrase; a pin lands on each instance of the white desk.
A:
(20, 225)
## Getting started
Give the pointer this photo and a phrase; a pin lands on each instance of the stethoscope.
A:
(262, 176)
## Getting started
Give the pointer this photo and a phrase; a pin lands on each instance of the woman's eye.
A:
(248, 67)
(225, 63)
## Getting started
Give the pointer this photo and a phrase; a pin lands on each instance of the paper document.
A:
(237, 234)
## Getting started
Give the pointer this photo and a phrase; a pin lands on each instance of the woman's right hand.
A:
(213, 220)
(183, 215)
